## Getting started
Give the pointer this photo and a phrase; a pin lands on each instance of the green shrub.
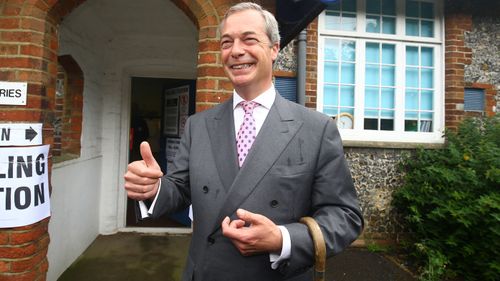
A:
(450, 202)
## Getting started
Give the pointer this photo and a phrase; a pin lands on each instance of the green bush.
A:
(450, 202)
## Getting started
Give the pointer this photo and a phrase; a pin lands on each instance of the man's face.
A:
(247, 53)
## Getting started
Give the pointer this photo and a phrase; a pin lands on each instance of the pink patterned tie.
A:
(247, 132)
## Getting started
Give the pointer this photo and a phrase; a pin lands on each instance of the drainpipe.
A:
(301, 67)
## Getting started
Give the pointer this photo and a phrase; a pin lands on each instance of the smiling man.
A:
(251, 168)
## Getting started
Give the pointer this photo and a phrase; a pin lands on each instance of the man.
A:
(247, 204)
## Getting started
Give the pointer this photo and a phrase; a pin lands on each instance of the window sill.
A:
(385, 144)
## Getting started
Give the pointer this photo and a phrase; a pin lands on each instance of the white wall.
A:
(112, 40)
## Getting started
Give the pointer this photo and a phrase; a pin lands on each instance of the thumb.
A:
(147, 155)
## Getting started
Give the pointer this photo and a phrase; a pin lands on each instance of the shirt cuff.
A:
(145, 212)
(286, 249)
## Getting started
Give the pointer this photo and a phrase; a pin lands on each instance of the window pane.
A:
(388, 54)
(427, 56)
(348, 22)
(373, 6)
(388, 7)
(388, 75)
(387, 113)
(372, 74)
(332, 49)
(426, 80)
(411, 100)
(348, 51)
(332, 20)
(347, 74)
(372, 52)
(371, 97)
(412, 55)
(347, 96)
(387, 124)
(387, 98)
(412, 9)
(389, 25)
(412, 27)
(426, 125)
(331, 95)
(371, 113)
(411, 125)
(373, 24)
(331, 72)
(349, 5)
(330, 111)
(426, 115)
(427, 28)
(427, 10)
(426, 100)
(412, 77)
(370, 123)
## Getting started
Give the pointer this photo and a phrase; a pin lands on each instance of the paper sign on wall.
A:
(24, 185)
(13, 93)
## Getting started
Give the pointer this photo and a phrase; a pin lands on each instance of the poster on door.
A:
(175, 111)
(24, 185)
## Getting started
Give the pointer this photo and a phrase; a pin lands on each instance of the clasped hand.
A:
(252, 233)
(142, 178)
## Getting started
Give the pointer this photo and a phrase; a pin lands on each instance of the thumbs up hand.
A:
(142, 178)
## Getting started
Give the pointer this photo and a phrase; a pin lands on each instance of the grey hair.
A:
(270, 23)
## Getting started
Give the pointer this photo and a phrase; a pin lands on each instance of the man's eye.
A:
(226, 44)
(251, 40)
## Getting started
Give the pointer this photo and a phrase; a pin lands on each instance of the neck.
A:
(249, 93)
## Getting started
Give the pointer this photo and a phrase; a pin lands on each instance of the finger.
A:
(140, 169)
(249, 217)
(135, 179)
(147, 155)
(237, 223)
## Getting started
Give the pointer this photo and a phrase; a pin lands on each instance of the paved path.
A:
(139, 257)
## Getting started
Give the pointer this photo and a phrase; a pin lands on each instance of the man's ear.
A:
(275, 48)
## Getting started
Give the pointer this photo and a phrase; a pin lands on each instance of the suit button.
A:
(210, 240)
(274, 203)
(205, 189)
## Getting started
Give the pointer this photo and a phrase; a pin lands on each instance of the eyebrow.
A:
(246, 33)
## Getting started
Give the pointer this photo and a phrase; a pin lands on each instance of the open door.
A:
(159, 110)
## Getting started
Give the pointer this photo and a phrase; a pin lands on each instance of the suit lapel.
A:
(223, 143)
(274, 136)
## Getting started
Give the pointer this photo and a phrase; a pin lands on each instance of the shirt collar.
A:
(266, 99)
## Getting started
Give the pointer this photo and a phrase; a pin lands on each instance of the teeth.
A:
(241, 66)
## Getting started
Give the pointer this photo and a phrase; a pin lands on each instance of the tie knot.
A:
(248, 106)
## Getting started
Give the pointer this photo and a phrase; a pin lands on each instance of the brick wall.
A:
(27, 54)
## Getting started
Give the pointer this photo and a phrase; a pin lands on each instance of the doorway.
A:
(158, 111)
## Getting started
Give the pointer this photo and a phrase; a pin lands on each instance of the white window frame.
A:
(400, 40)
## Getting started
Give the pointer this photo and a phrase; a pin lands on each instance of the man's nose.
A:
(237, 49)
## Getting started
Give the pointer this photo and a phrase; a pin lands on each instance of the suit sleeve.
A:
(175, 193)
(334, 206)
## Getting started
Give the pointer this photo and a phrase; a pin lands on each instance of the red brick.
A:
(20, 115)
(4, 267)
(8, 252)
(32, 50)
(207, 58)
(4, 237)
(9, 23)
(29, 263)
(209, 45)
(22, 237)
(26, 276)
(206, 84)
(210, 71)
(22, 36)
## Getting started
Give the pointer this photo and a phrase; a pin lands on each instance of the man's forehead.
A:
(244, 23)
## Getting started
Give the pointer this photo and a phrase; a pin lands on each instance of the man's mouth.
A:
(241, 66)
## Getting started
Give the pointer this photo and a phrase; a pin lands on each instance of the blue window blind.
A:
(474, 99)
(287, 87)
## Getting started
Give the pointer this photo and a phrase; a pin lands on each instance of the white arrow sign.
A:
(17, 134)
